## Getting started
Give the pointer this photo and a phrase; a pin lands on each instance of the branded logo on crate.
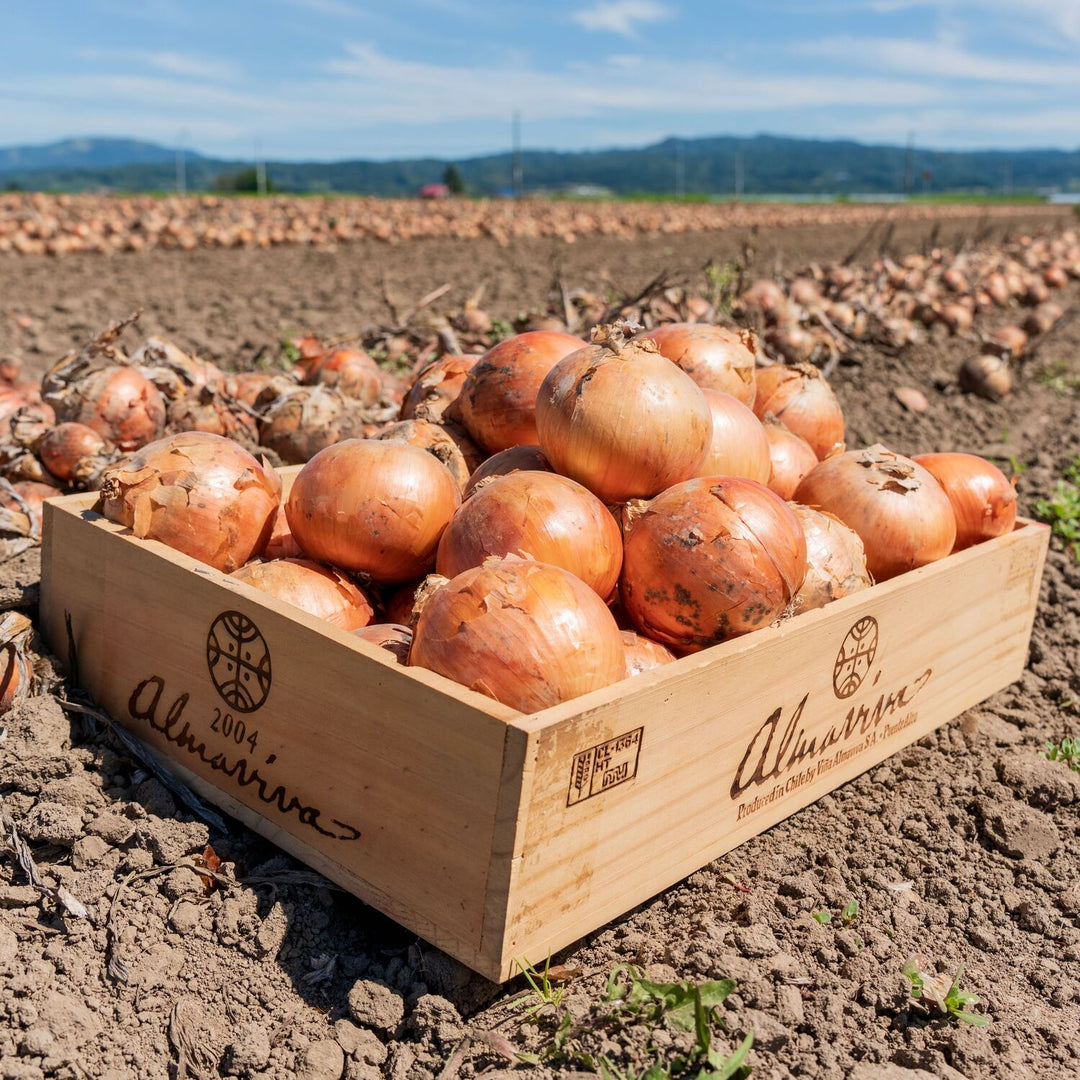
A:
(239, 661)
(855, 657)
(604, 766)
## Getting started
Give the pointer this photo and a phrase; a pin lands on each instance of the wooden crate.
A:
(494, 835)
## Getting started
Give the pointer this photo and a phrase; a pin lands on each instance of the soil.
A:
(962, 848)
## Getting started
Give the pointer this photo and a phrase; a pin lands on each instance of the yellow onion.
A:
(199, 493)
(497, 403)
(791, 458)
(445, 442)
(393, 637)
(1011, 340)
(739, 445)
(642, 653)
(31, 423)
(20, 513)
(1043, 317)
(621, 419)
(257, 387)
(900, 512)
(349, 371)
(376, 508)
(986, 375)
(715, 357)
(321, 591)
(709, 559)
(835, 560)
(66, 445)
(124, 407)
(536, 515)
(983, 500)
(16, 666)
(307, 419)
(803, 402)
(282, 544)
(527, 634)
(516, 459)
(403, 604)
(173, 371)
(436, 388)
(207, 410)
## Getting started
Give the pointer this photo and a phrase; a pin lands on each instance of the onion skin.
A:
(198, 493)
(524, 633)
(376, 508)
(66, 445)
(497, 403)
(835, 560)
(319, 590)
(710, 559)
(739, 445)
(623, 421)
(983, 500)
(33, 495)
(642, 653)
(713, 356)
(803, 402)
(447, 443)
(505, 462)
(792, 458)
(900, 512)
(282, 544)
(536, 515)
(307, 419)
(436, 388)
(121, 405)
(404, 604)
(393, 637)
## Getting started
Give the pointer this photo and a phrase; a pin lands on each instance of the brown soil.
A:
(962, 847)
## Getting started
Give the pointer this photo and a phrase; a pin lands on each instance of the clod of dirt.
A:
(249, 1051)
(359, 1043)
(436, 1020)
(322, 1060)
(1045, 784)
(52, 823)
(1017, 830)
(374, 1005)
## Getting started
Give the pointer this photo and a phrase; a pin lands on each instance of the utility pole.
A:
(181, 165)
(738, 174)
(517, 174)
(260, 168)
(909, 165)
(680, 169)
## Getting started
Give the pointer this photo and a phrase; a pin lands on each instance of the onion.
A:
(372, 507)
(199, 493)
(207, 410)
(445, 442)
(251, 386)
(791, 458)
(16, 667)
(122, 406)
(349, 371)
(621, 419)
(957, 318)
(536, 515)
(986, 375)
(305, 420)
(713, 356)
(739, 445)
(709, 559)
(173, 371)
(898, 509)
(1012, 340)
(767, 297)
(983, 500)
(31, 423)
(404, 604)
(13, 399)
(792, 342)
(282, 544)
(516, 459)
(393, 637)
(436, 388)
(835, 560)
(497, 403)
(998, 288)
(321, 591)
(66, 445)
(642, 653)
(1043, 318)
(803, 402)
(527, 634)
(28, 497)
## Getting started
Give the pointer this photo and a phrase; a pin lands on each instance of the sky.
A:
(334, 79)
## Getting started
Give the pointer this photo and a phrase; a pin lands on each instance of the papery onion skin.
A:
(713, 356)
(282, 544)
(622, 420)
(198, 493)
(792, 458)
(516, 459)
(537, 515)
(404, 603)
(122, 406)
(376, 508)
(710, 559)
(739, 446)
(436, 388)
(497, 403)
(306, 419)
(901, 513)
(319, 590)
(66, 445)
(798, 396)
(835, 560)
(642, 653)
(527, 634)
(393, 637)
(31, 497)
(983, 500)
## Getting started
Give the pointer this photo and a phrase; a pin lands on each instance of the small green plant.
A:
(1067, 750)
(1055, 377)
(501, 329)
(1062, 510)
(941, 993)
(723, 281)
(546, 996)
(823, 917)
(847, 916)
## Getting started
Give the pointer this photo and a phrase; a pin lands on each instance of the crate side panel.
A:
(634, 794)
(379, 773)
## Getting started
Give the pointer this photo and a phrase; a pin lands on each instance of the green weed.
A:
(1062, 510)
(847, 916)
(939, 992)
(1067, 750)
(546, 996)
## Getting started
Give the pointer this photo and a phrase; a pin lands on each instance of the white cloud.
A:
(169, 63)
(621, 16)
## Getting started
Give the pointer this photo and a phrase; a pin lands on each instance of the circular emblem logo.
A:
(239, 661)
(855, 657)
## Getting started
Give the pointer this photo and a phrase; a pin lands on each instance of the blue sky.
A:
(326, 79)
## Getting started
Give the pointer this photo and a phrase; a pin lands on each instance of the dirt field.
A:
(963, 848)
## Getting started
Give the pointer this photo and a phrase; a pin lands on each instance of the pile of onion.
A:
(803, 402)
(377, 508)
(835, 560)
(527, 634)
(198, 493)
(900, 512)
(710, 559)
(713, 356)
(536, 515)
(983, 500)
(319, 590)
(621, 419)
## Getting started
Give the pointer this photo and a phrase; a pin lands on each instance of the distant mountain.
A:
(767, 165)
